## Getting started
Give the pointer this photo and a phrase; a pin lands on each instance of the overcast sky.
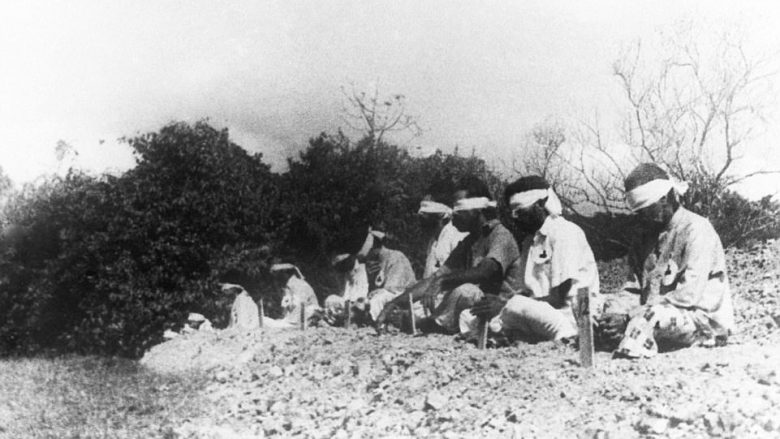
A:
(477, 74)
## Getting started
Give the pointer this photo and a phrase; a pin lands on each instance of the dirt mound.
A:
(333, 382)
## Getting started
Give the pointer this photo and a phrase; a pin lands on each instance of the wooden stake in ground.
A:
(585, 327)
(411, 315)
(483, 333)
(262, 313)
(348, 313)
(303, 316)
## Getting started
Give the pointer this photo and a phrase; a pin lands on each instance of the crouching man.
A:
(678, 270)
(373, 276)
(244, 314)
(296, 293)
(555, 261)
(479, 264)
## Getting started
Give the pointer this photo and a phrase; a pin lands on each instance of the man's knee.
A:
(528, 315)
(467, 294)
(333, 301)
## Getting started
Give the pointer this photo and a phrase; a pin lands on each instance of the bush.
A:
(741, 222)
(117, 259)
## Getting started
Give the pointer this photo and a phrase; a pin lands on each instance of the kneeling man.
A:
(678, 269)
(480, 264)
(555, 261)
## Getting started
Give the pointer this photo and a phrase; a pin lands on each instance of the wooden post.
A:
(483, 333)
(585, 327)
(261, 312)
(303, 316)
(348, 312)
(411, 315)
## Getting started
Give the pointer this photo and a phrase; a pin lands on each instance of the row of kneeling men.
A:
(476, 273)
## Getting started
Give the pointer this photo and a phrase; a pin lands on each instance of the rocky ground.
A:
(351, 383)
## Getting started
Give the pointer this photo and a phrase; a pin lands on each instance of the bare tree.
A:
(375, 115)
(66, 154)
(695, 112)
(544, 153)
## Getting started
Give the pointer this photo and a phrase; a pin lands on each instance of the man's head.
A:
(357, 245)
(232, 290)
(473, 204)
(435, 210)
(281, 272)
(531, 200)
(652, 195)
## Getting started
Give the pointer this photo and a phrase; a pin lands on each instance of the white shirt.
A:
(356, 283)
(556, 252)
(244, 314)
(439, 249)
(297, 292)
(685, 266)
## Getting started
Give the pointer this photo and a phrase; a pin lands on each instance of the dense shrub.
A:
(119, 258)
(741, 222)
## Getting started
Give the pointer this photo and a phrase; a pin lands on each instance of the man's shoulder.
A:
(500, 230)
(693, 222)
(500, 236)
(450, 232)
(393, 254)
(296, 281)
(563, 229)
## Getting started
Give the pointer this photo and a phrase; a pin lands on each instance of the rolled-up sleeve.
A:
(502, 248)
(571, 257)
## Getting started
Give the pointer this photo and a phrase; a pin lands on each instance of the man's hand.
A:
(426, 291)
(381, 319)
(488, 307)
(610, 328)
(429, 299)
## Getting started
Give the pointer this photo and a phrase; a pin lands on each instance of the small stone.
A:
(686, 413)
(277, 407)
(385, 423)
(415, 418)
(356, 405)
(436, 400)
(275, 371)
(363, 369)
(417, 403)
(222, 376)
(713, 424)
(653, 425)
(422, 432)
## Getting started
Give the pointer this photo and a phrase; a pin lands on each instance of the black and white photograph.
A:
(361, 219)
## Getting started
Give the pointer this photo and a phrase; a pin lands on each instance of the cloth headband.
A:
(652, 191)
(434, 207)
(226, 288)
(286, 266)
(473, 203)
(377, 233)
(338, 258)
(367, 244)
(524, 200)
(196, 317)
